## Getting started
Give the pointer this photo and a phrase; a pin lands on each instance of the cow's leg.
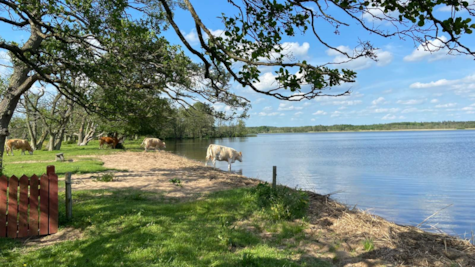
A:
(229, 164)
(214, 162)
(22, 152)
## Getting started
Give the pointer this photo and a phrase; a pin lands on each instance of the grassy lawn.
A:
(36, 163)
(132, 228)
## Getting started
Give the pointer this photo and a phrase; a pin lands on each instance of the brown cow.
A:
(110, 141)
(18, 144)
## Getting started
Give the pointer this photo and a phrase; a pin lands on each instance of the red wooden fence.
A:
(23, 214)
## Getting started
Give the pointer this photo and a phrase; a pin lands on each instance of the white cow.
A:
(222, 153)
(154, 143)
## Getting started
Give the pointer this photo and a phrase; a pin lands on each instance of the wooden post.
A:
(68, 196)
(274, 177)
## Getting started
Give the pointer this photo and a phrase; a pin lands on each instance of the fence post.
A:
(274, 177)
(68, 196)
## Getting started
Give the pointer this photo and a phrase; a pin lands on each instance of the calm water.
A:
(402, 176)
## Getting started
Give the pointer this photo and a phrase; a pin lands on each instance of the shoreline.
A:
(399, 130)
(332, 228)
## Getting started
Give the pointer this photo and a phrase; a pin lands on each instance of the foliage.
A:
(281, 203)
(371, 127)
(176, 182)
(106, 177)
(368, 244)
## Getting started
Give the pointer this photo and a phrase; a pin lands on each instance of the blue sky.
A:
(406, 84)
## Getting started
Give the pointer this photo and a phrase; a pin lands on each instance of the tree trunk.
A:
(41, 140)
(19, 83)
(51, 142)
(90, 135)
(81, 130)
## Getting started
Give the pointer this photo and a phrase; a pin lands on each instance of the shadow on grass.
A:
(125, 227)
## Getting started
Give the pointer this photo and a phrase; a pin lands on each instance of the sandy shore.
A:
(335, 232)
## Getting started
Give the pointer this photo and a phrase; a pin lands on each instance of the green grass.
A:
(36, 164)
(368, 244)
(131, 228)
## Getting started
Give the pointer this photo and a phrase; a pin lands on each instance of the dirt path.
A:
(153, 171)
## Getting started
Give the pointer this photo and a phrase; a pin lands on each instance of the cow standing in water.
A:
(222, 153)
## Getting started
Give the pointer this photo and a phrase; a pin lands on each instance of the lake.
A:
(402, 176)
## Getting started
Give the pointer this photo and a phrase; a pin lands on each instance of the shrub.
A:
(107, 177)
(176, 182)
(368, 244)
(281, 202)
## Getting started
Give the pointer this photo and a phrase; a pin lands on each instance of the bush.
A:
(107, 177)
(282, 202)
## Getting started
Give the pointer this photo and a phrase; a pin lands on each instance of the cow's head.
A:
(239, 157)
(28, 147)
(164, 145)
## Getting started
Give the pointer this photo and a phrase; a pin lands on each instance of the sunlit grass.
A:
(133, 228)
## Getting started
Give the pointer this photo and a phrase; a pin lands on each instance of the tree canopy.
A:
(112, 58)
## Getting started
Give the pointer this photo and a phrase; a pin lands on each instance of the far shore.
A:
(399, 130)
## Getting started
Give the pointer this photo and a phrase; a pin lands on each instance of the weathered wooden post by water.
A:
(274, 177)
(68, 196)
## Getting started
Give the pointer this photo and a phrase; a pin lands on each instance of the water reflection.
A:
(402, 176)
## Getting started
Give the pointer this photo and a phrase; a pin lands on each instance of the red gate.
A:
(29, 206)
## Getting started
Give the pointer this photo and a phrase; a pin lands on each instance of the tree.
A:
(118, 55)
(253, 37)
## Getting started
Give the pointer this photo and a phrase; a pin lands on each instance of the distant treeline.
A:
(371, 127)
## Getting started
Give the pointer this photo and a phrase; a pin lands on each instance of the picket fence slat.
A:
(19, 216)
(44, 186)
(23, 207)
(12, 207)
(33, 224)
(3, 205)
(53, 200)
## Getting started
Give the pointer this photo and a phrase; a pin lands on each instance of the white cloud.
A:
(388, 91)
(312, 119)
(432, 50)
(433, 101)
(336, 114)
(410, 101)
(384, 110)
(193, 39)
(449, 105)
(389, 117)
(287, 106)
(266, 81)
(298, 113)
(413, 110)
(442, 82)
(383, 58)
(268, 108)
(262, 114)
(380, 100)
(464, 86)
(294, 51)
(320, 112)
